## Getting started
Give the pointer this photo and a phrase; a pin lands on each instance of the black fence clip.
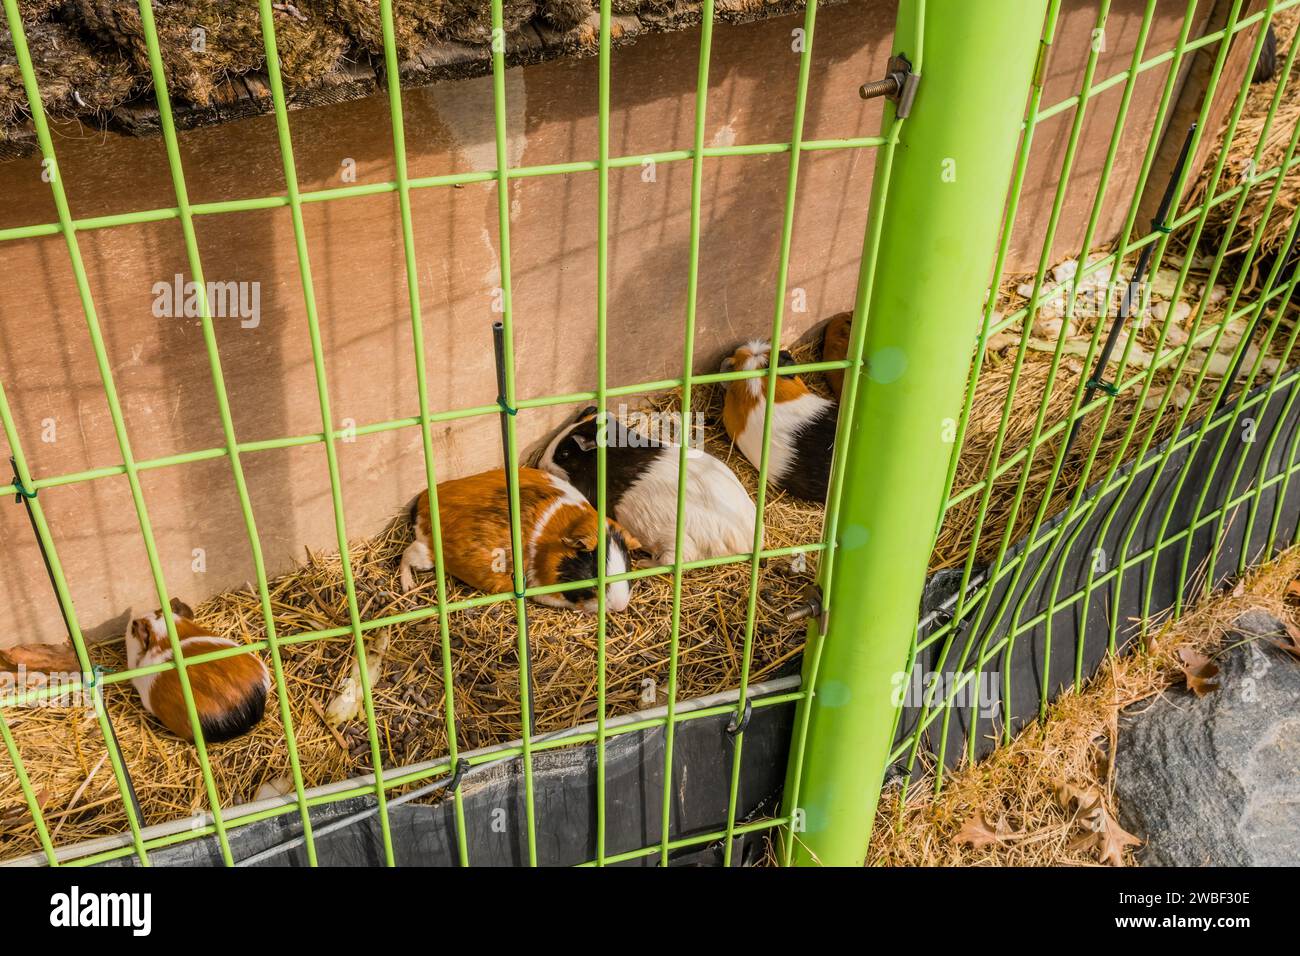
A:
(1096, 384)
(735, 729)
(899, 86)
(943, 617)
(462, 767)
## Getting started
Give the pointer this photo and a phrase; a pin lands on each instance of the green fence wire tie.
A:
(505, 406)
(1107, 387)
(18, 483)
(1161, 227)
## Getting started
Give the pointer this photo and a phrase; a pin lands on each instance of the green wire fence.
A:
(868, 633)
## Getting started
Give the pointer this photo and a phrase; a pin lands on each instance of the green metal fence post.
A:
(938, 240)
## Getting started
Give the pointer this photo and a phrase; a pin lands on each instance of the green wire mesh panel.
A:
(385, 783)
(1098, 487)
(1054, 449)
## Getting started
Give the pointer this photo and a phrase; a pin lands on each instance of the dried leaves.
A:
(977, 833)
(1199, 672)
(1088, 827)
(1101, 834)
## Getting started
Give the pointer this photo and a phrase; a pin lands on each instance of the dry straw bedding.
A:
(61, 748)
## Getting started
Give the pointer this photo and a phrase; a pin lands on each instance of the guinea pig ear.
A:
(141, 632)
(576, 543)
(629, 539)
(181, 609)
(585, 443)
(728, 364)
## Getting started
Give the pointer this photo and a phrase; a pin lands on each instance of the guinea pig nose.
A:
(617, 596)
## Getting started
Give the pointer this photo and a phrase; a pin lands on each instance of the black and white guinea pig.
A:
(229, 694)
(558, 531)
(641, 487)
(803, 424)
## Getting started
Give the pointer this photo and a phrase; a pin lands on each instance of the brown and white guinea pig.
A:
(229, 694)
(558, 529)
(803, 424)
(835, 348)
(641, 484)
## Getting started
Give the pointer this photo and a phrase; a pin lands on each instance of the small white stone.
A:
(1065, 271)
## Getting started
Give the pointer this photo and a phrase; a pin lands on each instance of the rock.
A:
(1213, 780)
(1065, 271)
(1175, 336)
(1164, 282)
(1180, 398)
(1182, 310)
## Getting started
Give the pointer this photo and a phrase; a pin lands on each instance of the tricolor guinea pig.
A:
(641, 487)
(835, 348)
(803, 424)
(558, 529)
(229, 694)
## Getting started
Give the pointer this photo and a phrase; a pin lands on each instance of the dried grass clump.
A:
(413, 23)
(1010, 804)
(471, 20)
(309, 47)
(63, 750)
(76, 78)
(34, 11)
(1241, 150)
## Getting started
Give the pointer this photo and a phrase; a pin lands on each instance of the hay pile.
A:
(328, 49)
(203, 41)
(76, 79)
(1021, 805)
(63, 749)
(1240, 153)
